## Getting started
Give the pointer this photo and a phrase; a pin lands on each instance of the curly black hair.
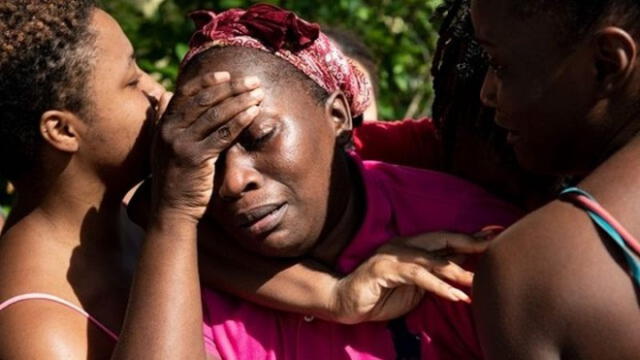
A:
(45, 57)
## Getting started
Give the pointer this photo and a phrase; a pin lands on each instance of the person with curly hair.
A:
(77, 119)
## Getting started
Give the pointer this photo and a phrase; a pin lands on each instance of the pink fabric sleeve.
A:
(410, 142)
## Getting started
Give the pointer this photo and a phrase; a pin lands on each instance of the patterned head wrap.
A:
(282, 33)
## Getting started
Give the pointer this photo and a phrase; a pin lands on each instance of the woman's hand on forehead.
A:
(204, 118)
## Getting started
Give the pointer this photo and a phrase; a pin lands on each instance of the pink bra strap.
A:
(47, 297)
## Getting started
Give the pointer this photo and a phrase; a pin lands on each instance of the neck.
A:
(340, 228)
(618, 175)
(76, 211)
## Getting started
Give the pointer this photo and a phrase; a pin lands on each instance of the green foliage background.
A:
(401, 33)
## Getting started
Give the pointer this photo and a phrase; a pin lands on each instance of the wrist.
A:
(172, 221)
(338, 303)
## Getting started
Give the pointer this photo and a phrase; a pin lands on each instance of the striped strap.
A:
(47, 297)
(603, 219)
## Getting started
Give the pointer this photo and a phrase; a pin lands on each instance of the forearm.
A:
(164, 316)
(300, 286)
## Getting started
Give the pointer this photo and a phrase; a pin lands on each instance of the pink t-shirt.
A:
(401, 201)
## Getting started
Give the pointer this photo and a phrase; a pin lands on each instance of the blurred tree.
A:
(402, 34)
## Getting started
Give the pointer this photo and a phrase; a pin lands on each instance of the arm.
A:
(307, 287)
(164, 314)
(408, 142)
(386, 286)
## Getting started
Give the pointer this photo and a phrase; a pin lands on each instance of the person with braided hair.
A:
(287, 189)
(564, 282)
(461, 137)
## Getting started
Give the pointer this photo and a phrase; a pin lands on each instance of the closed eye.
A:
(253, 144)
(134, 82)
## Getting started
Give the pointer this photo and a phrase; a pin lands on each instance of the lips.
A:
(513, 136)
(262, 219)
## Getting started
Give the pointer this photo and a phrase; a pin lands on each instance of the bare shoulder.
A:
(552, 287)
(42, 330)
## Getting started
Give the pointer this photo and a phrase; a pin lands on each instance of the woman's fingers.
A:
(222, 113)
(204, 92)
(218, 92)
(414, 274)
(454, 273)
(402, 264)
(203, 119)
(220, 139)
(444, 242)
(442, 267)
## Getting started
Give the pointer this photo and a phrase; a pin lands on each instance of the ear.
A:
(58, 128)
(338, 111)
(615, 56)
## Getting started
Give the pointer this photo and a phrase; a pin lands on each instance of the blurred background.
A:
(400, 34)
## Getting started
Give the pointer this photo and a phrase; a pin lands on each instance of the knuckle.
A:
(379, 267)
(185, 90)
(237, 86)
(212, 114)
(167, 134)
(204, 98)
(223, 133)
(413, 270)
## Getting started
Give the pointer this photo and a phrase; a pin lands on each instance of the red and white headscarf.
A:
(284, 34)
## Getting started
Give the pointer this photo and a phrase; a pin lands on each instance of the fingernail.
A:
(257, 93)
(222, 76)
(253, 110)
(252, 81)
(460, 295)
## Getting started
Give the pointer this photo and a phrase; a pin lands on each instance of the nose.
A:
(488, 93)
(237, 175)
(151, 87)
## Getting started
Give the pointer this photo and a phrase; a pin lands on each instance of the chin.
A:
(279, 246)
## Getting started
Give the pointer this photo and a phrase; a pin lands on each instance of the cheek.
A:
(304, 164)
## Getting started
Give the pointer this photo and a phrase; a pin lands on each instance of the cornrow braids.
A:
(44, 61)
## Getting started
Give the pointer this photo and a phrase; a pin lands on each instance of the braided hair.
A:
(44, 61)
(458, 70)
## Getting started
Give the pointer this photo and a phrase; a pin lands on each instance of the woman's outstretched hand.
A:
(394, 280)
(203, 119)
